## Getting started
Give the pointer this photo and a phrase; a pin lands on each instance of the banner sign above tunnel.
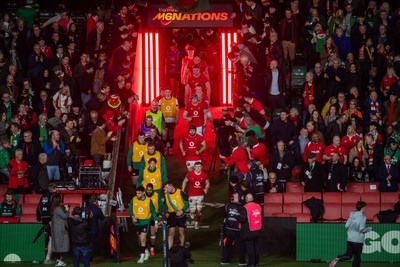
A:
(165, 16)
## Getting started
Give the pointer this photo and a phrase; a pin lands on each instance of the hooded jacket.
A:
(356, 227)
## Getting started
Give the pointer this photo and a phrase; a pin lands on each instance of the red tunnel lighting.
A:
(153, 66)
(227, 75)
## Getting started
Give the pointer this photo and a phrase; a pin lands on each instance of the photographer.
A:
(178, 255)
(79, 229)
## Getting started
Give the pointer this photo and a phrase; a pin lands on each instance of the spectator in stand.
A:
(357, 173)
(337, 127)
(11, 88)
(26, 116)
(283, 129)
(70, 137)
(257, 152)
(337, 175)
(96, 40)
(372, 106)
(335, 147)
(238, 157)
(55, 121)
(359, 151)
(40, 175)
(62, 99)
(98, 142)
(342, 42)
(289, 30)
(327, 50)
(15, 137)
(4, 159)
(54, 148)
(337, 78)
(31, 149)
(18, 169)
(388, 176)
(69, 165)
(348, 141)
(10, 206)
(392, 110)
(273, 185)
(276, 86)
(315, 146)
(7, 106)
(282, 162)
(312, 174)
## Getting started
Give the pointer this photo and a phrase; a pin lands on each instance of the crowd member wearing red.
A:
(335, 147)
(257, 151)
(18, 169)
(192, 145)
(238, 157)
(349, 140)
(198, 186)
(314, 146)
(392, 110)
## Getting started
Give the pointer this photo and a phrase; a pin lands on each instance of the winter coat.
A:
(59, 231)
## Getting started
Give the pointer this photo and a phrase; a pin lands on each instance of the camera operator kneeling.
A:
(79, 229)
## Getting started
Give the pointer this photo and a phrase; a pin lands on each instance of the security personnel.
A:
(177, 202)
(135, 154)
(232, 230)
(152, 175)
(251, 219)
(142, 211)
(158, 206)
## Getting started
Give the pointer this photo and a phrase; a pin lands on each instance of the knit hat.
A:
(114, 101)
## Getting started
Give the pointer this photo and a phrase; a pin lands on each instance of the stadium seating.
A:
(294, 187)
(355, 187)
(32, 198)
(72, 198)
(308, 195)
(272, 204)
(332, 212)
(292, 202)
(371, 187)
(29, 208)
(332, 197)
(371, 197)
(346, 209)
(280, 215)
(388, 199)
(350, 197)
(371, 211)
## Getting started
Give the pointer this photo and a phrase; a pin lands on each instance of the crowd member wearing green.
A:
(27, 13)
(392, 149)
(142, 211)
(4, 159)
(10, 207)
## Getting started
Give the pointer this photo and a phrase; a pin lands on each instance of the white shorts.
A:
(196, 200)
(190, 163)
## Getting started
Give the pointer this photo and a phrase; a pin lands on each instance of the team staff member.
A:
(169, 107)
(232, 230)
(356, 230)
(198, 187)
(135, 154)
(251, 219)
(192, 145)
(177, 202)
(151, 174)
(158, 206)
(142, 211)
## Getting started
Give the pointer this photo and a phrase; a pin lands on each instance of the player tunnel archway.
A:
(152, 46)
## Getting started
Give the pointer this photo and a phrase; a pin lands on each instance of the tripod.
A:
(215, 153)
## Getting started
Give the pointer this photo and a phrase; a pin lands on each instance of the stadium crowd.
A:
(62, 87)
